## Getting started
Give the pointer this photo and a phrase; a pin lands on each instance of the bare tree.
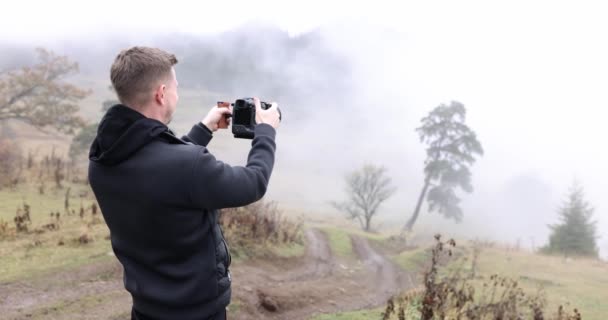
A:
(366, 188)
(36, 95)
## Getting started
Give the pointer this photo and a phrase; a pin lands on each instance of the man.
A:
(160, 194)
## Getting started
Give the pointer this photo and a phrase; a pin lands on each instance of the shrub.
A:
(258, 225)
(453, 296)
(22, 218)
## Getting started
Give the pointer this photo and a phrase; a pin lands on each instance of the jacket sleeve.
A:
(217, 185)
(199, 135)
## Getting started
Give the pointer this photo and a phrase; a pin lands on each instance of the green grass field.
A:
(289, 250)
(412, 260)
(41, 205)
(339, 242)
(352, 315)
(25, 255)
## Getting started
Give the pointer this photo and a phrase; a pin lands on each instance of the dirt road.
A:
(295, 288)
(320, 284)
(93, 291)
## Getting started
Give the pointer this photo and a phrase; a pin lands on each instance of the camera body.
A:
(243, 117)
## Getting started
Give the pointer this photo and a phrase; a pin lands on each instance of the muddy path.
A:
(387, 277)
(318, 262)
(276, 288)
(331, 284)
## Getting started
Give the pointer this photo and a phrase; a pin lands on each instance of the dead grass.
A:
(506, 284)
(579, 283)
(261, 228)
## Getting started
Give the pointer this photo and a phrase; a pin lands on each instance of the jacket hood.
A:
(121, 133)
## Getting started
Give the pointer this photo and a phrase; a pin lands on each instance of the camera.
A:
(243, 116)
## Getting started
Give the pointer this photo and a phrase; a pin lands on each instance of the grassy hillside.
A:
(52, 243)
(572, 283)
(583, 283)
(77, 240)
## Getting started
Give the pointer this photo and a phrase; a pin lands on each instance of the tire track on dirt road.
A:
(322, 284)
(290, 288)
(319, 260)
(388, 278)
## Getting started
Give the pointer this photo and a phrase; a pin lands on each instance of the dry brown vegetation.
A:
(44, 171)
(449, 293)
(251, 229)
(10, 158)
(43, 179)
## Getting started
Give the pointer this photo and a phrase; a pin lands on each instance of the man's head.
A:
(144, 79)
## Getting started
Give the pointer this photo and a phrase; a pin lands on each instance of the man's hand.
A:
(269, 116)
(214, 116)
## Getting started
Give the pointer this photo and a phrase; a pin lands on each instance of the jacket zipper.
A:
(225, 246)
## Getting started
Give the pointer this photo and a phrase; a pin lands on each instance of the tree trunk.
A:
(410, 223)
(361, 222)
(367, 223)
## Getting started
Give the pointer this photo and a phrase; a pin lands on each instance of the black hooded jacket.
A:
(159, 195)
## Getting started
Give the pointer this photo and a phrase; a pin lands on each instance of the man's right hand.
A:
(269, 116)
(214, 116)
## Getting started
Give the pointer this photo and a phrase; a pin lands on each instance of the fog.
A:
(355, 82)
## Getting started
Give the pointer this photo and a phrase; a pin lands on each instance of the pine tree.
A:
(576, 234)
(452, 148)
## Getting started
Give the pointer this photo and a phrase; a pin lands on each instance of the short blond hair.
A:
(137, 70)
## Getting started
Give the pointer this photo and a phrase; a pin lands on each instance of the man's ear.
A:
(159, 95)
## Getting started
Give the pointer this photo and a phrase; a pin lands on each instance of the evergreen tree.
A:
(576, 232)
(452, 148)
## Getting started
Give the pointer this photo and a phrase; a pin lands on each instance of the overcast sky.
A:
(63, 17)
(82, 17)
(533, 74)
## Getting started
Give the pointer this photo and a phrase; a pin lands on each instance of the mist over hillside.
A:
(253, 59)
(354, 94)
